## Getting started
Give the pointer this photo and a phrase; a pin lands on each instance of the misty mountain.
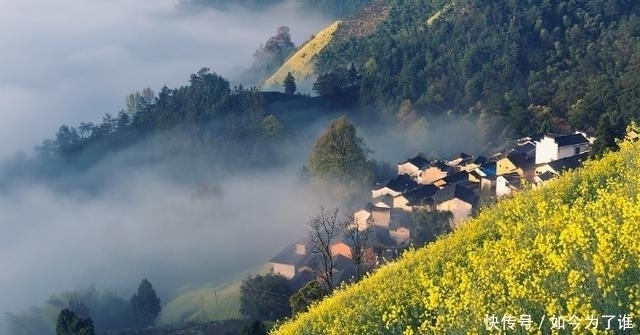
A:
(537, 65)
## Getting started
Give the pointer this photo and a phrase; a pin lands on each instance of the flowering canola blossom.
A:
(559, 259)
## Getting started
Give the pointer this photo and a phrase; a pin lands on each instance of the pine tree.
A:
(145, 304)
(289, 84)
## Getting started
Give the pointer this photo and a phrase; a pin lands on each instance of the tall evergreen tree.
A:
(289, 84)
(145, 304)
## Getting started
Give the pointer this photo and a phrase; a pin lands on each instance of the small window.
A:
(577, 151)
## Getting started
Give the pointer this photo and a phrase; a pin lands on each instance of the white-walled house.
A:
(554, 147)
(395, 186)
(413, 166)
(290, 260)
(378, 214)
(507, 183)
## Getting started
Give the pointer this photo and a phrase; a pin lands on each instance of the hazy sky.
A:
(70, 61)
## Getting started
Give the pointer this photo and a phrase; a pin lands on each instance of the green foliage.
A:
(340, 155)
(145, 304)
(265, 297)
(307, 295)
(335, 8)
(70, 324)
(539, 65)
(339, 87)
(254, 328)
(568, 248)
(429, 225)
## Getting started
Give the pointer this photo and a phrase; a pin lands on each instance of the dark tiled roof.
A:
(383, 237)
(440, 165)
(573, 139)
(547, 175)
(526, 147)
(520, 160)
(402, 183)
(466, 195)
(418, 162)
(421, 196)
(455, 191)
(480, 160)
(386, 199)
(513, 179)
(475, 174)
(568, 162)
(455, 178)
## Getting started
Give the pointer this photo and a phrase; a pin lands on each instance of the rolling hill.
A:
(570, 249)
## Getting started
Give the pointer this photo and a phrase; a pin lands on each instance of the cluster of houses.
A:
(454, 185)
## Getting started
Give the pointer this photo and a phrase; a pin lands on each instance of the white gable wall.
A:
(546, 150)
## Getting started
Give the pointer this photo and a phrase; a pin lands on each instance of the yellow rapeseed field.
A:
(561, 259)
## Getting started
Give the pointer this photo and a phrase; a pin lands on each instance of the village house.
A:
(554, 147)
(377, 214)
(419, 197)
(400, 233)
(291, 260)
(560, 165)
(508, 183)
(437, 170)
(395, 186)
(457, 199)
(413, 166)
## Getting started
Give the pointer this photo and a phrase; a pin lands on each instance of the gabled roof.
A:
(512, 179)
(458, 177)
(418, 161)
(520, 160)
(547, 175)
(480, 160)
(526, 147)
(386, 199)
(573, 139)
(422, 195)
(290, 257)
(441, 165)
(402, 183)
(568, 162)
(455, 191)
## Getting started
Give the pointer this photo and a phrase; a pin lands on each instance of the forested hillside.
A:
(567, 250)
(335, 8)
(205, 120)
(538, 65)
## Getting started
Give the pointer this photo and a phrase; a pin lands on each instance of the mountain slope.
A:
(570, 248)
(301, 63)
(540, 65)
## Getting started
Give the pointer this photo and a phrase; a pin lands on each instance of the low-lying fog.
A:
(64, 62)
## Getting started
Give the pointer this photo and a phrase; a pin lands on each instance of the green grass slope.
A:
(568, 249)
(203, 305)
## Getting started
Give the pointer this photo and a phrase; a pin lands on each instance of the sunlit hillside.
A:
(568, 250)
(300, 64)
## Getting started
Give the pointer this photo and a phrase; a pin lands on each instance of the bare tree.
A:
(323, 229)
(359, 236)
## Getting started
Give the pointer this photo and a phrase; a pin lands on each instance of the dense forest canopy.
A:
(335, 8)
(539, 65)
